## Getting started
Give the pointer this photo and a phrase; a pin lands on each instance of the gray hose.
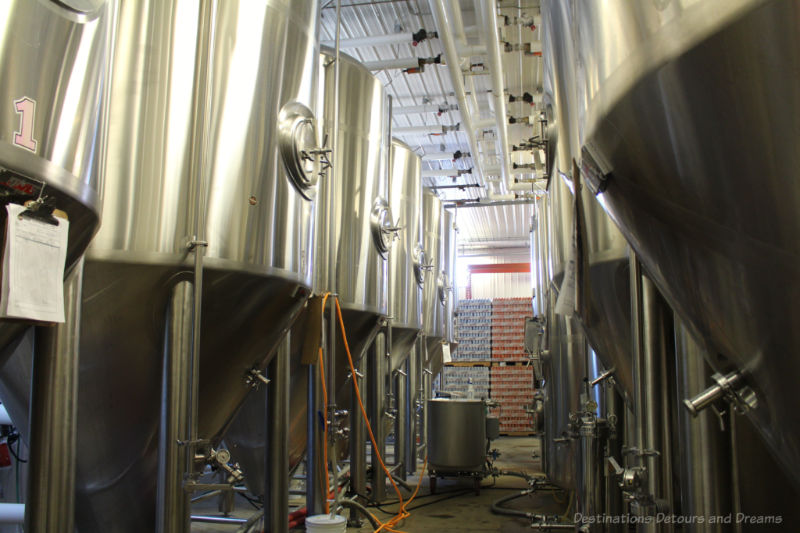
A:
(357, 506)
(498, 509)
(539, 521)
(523, 475)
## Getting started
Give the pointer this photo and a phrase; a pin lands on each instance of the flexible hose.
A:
(541, 520)
(498, 509)
(402, 513)
(523, 475)
(363, 510)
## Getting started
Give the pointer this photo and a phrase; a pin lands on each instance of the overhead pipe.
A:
(444, 19)
(444, 156)
(445, 173)
(412, 64)
(487, 15)
(462, 204)
(425, 108)
(461, 43)
(433, 129)
(377, 40)
(469, 50)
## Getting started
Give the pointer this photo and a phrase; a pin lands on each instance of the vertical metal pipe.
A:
(330, 366)
(50, 503)
(657, 416)
(736, 499)
(358, 432)
(410, 458)
(315, 470)
(637, 345)
(651, 333)
(705, 479)
(173, 502)
(427, 387)
(643, 503)
(377, 396)
(400, 427)
(615, 411)
(589, 495)
(276, 489)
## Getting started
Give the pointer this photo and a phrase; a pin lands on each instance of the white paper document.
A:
(446, 357)
(33, 268)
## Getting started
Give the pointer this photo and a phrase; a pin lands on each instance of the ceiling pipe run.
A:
(488, 19)
(377, 40)
(445, 173)
(412, 64)
(444, 156)
(425, 108)
(498, 203)
(443, 18)
(433, 129)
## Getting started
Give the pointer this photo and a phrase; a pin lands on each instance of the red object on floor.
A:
(5, 456)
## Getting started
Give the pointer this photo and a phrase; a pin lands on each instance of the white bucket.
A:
(323, 523)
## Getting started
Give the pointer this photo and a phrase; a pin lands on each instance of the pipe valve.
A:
(730, 387)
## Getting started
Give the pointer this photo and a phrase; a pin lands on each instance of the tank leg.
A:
(476, 484)
(50, 505)
(276, 490)
(432, 484)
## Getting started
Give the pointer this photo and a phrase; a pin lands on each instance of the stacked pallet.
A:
(456, 380)
(512, 389)
(508, 328)
(473, 330)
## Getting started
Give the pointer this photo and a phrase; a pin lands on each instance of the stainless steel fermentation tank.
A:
(564, 361)
(54, 62)
(604, 294)
(200, 96)
(439, 244)
(446, 292)
(353, 237)
(409, 263)
(408, 260)
(673, 134)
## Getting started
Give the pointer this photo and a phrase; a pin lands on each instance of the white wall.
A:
(514, 285)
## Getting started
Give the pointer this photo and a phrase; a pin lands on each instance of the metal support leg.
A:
(427, 388)
(358, 438)
(377, 413)
(276, 490)
(315, 470)
(412, 381)
(616, 411)
(651, 331)
(330, 366)
(706, 483)
(50, 504)
(401, 426)
(173, 502)
(658, 336)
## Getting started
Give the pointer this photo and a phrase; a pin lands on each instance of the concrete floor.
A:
(455, 508)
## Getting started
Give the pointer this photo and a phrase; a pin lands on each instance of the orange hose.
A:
(402, 514)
